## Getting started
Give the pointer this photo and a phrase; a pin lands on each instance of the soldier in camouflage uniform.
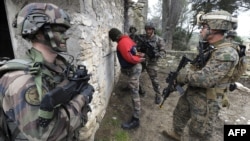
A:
(25, 85)
(153, 54)
(129, 60)
(200, 105)
(132, 33)
(134, 37)
(231, 34)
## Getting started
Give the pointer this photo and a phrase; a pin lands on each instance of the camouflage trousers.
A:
(134, 74)
(200, 112)
(152, 68)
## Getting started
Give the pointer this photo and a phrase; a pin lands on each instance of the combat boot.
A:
(132, 124)
(158, 99)
(170, 133)
(141, 91)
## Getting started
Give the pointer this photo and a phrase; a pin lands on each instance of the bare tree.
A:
(170, 16)
(155, 16)
(186, 21)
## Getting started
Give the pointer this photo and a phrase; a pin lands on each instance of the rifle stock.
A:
(171, 80)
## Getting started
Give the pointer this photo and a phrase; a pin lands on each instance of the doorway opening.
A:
(6, 49)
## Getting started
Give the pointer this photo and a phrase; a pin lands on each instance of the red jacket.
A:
(124, 46)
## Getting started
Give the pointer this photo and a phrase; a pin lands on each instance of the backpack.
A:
(9, 65)
(232, 75)
(241, 67)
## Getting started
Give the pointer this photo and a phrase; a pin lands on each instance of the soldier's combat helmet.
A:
(132, 28)
(149, 25)
(218, 20)
(114, 34)
(35, 15)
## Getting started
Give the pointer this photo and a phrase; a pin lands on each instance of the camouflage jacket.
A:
(218, 68)
(19, 99)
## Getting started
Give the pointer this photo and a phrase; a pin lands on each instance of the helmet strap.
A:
(208, 32)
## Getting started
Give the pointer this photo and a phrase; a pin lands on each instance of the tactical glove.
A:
(88, 91)
(183, 73)
(232, 87)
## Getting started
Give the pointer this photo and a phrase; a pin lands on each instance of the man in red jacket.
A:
(129, 60)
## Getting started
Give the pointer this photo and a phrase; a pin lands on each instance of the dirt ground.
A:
(155, 119)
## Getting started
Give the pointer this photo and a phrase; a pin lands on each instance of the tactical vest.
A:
(149, 46)
(237, 69)
(32, 64)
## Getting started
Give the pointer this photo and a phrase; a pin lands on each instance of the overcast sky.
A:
(244, 24)
(243, 21)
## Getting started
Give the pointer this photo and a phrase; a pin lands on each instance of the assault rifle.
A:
(200, 61)
(145, 47)
(204, 53)
(78, 84)
(171, 80)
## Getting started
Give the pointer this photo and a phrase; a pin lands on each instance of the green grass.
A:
(121, 135)
(111, 131)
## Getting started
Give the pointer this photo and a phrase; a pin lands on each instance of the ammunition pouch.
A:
(218, 92)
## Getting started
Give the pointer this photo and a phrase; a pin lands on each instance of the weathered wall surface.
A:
(137, 15)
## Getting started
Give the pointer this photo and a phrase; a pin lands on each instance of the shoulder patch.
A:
(32, 96)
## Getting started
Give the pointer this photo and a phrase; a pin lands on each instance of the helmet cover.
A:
(34, 15)
(150, 25)
(218, 20)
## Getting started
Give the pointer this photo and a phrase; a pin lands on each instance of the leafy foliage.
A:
(179, 40)
(209, 5)
(238, 39)
(169, 19)
(156, 17)
(232, 6)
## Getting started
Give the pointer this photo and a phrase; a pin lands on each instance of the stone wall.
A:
(137, 15)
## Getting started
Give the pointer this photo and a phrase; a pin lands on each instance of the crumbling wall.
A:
(137, 15)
